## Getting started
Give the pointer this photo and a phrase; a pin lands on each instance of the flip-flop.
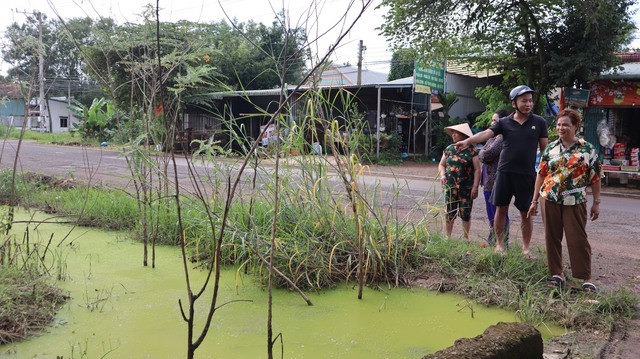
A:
(589, 287)
(556, 282)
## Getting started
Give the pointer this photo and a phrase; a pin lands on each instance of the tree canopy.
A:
(543, 43)
(63, 62)
(402, 64)
(87, 52)
(255, 55)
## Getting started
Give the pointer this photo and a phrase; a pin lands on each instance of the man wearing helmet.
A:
(523, 132)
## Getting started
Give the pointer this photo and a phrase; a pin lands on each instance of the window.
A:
(64, 121)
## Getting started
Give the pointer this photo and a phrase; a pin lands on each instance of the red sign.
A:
(268, 136)
(607, 93)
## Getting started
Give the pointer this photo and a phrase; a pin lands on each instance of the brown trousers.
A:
(573, 221)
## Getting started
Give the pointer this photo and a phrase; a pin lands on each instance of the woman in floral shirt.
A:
(567, 166)
(460, 173)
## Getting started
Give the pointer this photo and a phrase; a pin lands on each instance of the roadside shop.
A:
(612, 120)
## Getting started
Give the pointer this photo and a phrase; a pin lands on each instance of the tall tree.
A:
(21, 48)
(126, 57)
(402, 64)
(262, 52)
(61, 48)
(543, 43)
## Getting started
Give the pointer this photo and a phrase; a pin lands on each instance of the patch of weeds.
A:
(622, 301)
(28, 303)
(517, 283)
(97, 299)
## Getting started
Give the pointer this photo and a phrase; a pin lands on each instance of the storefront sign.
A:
(429, 77)
(576, 97)
(607, 93)
(268, 135)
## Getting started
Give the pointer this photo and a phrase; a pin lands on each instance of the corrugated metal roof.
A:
(267, 92)
(626, 71)
(468, 69)
(403, 82)
(339, 76)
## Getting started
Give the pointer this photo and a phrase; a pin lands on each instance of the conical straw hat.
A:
(462, 128)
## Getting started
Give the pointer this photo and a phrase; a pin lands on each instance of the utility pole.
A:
(41, 117)
(41, 102)
(361, 49)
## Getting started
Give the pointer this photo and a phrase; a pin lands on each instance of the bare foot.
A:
(499, 249)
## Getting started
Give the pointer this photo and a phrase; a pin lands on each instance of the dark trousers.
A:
(491, 214)
(571, 220)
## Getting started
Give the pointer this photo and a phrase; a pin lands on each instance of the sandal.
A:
(556, 281)
(589, 287)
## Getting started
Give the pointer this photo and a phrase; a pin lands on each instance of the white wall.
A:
(464, 86)
(57, 109)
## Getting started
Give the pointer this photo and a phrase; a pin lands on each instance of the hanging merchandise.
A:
(633, 157)
(603, 133)
(612, 141)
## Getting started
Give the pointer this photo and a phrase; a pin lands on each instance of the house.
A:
(57, 116)
(12, 105)
(61, 119)
(338, 94)
(464, 79)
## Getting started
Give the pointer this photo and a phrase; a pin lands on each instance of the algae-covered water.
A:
(120, 309)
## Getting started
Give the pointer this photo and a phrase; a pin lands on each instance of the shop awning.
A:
(610, 93)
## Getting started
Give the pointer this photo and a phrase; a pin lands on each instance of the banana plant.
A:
(97, 121)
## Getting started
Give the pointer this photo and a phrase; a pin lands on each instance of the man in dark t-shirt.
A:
(523, 132)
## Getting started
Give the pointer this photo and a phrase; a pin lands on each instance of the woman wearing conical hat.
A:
(460, 173)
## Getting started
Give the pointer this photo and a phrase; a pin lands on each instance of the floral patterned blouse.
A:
(568, 171)
(459, 167)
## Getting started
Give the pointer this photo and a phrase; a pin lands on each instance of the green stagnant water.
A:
(120, 309)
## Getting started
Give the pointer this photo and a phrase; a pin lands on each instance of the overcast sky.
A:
(376, 56)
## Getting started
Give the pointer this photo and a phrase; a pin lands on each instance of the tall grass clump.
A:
(332, 225)
(91, 206)
(28, 303)
(29, 297)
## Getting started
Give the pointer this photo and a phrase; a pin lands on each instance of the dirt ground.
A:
(616, 263)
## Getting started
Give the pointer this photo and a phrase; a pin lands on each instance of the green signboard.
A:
(576, 97)
(429, 77)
